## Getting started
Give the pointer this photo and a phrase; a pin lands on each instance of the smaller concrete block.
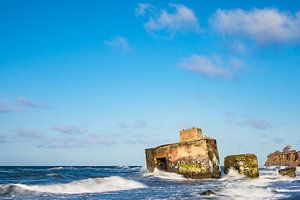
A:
(245, 164)
(288, 171)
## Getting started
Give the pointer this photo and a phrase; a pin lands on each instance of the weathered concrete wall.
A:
(190, 134)
(193, 159)
(245, 164)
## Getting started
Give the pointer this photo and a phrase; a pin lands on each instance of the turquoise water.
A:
(124, 182)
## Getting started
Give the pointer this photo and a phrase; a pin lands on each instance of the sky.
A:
(97, 82)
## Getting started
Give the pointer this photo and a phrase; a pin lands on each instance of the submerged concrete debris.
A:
(195, 156)
(288, 171)
(245, 164)
(286, 157)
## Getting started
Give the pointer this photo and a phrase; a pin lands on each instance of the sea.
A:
(133, 182)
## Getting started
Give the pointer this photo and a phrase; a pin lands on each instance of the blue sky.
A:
(95, 83)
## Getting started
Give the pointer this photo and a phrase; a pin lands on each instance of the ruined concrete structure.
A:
(286, 157)
(195, 156)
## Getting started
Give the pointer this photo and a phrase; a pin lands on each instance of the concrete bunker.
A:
(195, 156)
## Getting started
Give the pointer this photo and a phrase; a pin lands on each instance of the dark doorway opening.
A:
(162, 163)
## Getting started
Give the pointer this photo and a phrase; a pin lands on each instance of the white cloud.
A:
(180, 19)
(206, 66)
(262, 25)
(118, 43)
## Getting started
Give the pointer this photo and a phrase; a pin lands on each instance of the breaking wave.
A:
(232, 175)
(56, 168)
(165, 175)
(240, 187)
(90, 185)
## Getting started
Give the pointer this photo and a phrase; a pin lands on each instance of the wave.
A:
(232, 175)
(124, 166)
(56, 168)
(91, 185)
(53, 174)
(165, 175)
(287, 190)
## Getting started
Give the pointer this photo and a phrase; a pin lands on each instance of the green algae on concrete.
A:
(190, 167)
(245, 164)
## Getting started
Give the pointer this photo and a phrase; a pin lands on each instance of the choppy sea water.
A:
(124, 182)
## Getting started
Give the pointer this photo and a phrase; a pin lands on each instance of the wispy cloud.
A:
(69, 129)
(230, 114)
(119, 43)
(76, 142)
(278, 140)
(256, 123)
(236, 63)
(6, 107)
(19, 105)
(29, 134)
(137, 124)
(236, 46)
(141, 9)
(262, 25)
(249, 121)
(3, 139)
(28, 103)
(144, 139)
(177, 18)
(42, 140)
(209, 67)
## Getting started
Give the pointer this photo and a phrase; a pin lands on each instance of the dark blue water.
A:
(123, 182)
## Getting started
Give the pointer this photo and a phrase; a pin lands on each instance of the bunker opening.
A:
(162, 163)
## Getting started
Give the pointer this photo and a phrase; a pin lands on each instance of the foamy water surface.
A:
(125, 182)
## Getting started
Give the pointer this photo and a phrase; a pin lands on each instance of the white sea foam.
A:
(232, 175)
(91, 185)
(243, 191)
(165, 175)
(287, 190)
(240, 187)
